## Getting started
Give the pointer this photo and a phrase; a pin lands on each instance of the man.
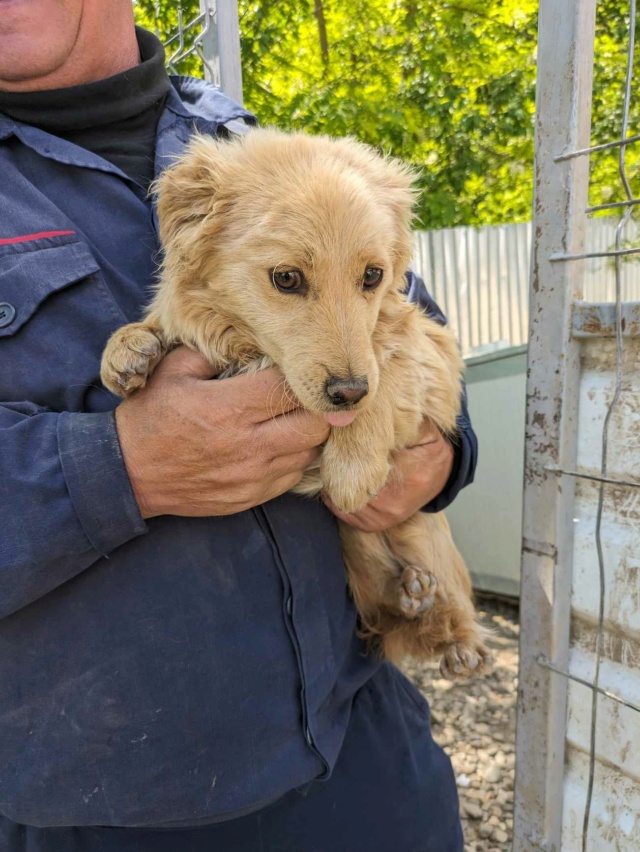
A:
(178, 653)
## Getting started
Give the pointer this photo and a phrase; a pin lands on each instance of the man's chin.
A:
(26, 70)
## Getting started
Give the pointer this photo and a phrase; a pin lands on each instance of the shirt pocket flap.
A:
(27, 278)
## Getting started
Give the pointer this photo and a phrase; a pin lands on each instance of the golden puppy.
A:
(291, 250)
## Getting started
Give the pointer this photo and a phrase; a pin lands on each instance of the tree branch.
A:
(322, 31)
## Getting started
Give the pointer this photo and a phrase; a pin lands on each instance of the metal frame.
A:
(221, 46)
(565, 71)
(214, 36)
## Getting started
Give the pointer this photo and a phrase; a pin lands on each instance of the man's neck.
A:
(99, 52)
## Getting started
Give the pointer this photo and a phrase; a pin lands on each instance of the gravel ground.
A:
(474, 721)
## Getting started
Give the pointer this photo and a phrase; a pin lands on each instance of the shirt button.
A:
(289, 605)
(7, 314)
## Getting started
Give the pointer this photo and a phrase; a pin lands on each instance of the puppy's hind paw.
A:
(461, 660)
(131, 355)
(417, 591)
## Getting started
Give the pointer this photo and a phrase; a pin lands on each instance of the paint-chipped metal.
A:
(564, 80)
(599, 319)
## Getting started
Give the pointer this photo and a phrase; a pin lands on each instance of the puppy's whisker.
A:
(279, 418)
(282, 389)
(279, 421)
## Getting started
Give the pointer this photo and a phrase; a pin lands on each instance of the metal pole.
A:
(565, 68)
(221, 46)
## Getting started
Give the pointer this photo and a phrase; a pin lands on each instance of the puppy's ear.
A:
(397, 181)
(186, 192)
(396, 184)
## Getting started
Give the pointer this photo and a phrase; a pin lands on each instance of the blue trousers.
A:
(392, 790)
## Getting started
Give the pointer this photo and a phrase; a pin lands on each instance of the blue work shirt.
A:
(170, 672)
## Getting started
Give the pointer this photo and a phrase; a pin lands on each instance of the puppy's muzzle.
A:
(348, 391)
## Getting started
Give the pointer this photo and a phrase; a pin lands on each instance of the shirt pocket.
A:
(56, 314)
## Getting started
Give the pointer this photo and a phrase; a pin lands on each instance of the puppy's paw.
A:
(461, 660)
(352, 482)
(130, 358)
(417, 591)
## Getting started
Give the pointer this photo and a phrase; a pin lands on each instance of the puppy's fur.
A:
(233, 214)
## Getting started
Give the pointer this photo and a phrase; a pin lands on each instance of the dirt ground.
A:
(474, 722)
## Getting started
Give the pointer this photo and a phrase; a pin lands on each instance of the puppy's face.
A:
(301, 240)
(306, 271)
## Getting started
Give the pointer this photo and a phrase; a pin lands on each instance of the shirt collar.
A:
(190, 104)
(7, 126)
(198, 98)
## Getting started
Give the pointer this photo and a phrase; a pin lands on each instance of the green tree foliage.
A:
(447, 86)
(608, 90)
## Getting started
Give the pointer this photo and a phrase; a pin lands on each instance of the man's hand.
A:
(423, 473)
(196, 447)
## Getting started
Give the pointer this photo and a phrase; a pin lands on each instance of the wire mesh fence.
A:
(581, 545)
(184, 37)
(204, 43)
(188, 41)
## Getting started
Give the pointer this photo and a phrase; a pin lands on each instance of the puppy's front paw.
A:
(132, 354)
(352, 482)
(461, 660)
(417, 591)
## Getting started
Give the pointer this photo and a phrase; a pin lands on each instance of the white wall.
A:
(486, 517)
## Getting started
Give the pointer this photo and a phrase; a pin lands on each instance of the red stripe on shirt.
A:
(41, 236)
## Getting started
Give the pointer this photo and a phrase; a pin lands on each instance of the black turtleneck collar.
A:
(115, 118)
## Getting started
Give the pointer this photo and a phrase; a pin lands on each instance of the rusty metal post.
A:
(221, 46)
(565, 67)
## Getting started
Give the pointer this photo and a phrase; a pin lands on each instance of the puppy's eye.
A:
(371, 278)
(289, 280)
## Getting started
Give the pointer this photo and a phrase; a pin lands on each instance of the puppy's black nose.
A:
(346, 391)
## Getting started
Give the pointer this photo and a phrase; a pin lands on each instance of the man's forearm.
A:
(65, 499)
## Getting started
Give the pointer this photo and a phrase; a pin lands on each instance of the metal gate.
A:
(578, 731)
(213, 35)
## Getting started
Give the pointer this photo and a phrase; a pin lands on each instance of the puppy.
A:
(291, 250)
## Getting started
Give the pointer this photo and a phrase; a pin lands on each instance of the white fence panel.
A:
(480, 278)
